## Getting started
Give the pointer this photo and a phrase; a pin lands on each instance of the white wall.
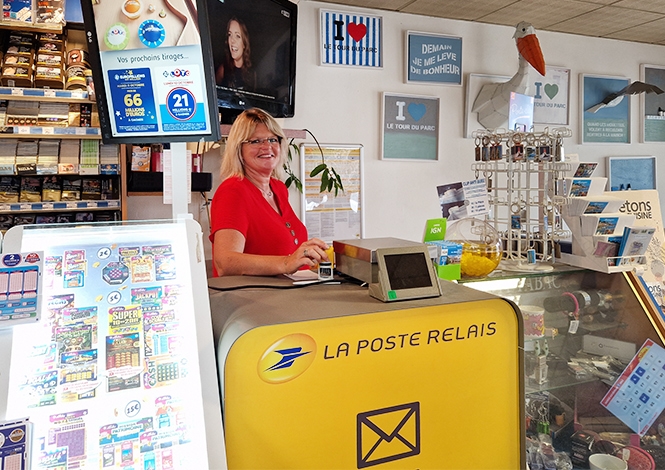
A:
(343, 105)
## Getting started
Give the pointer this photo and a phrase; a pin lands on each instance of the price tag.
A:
(80, 131)
(17, 92)
(48, 93)
(77, 94)
(25, 207)
(48, 130)
(23, 130)
(71, 205)
(47, 206)
(574, 325)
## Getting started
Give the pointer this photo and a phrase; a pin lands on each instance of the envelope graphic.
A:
(388, 434)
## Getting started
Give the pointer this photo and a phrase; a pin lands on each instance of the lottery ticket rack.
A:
(120, 370)
(524, 174)
(594, 363)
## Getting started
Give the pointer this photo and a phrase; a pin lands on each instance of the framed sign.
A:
(351, 39)
(633, 173)
(652, 105)
(433, 58)
(551, 95)
(153, 72)
(410, 129)
(604, 122)
(325, 215)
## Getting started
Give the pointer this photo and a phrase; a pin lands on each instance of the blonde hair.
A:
(242, 129)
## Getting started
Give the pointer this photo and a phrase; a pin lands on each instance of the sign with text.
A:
(433, 58)
(550, 95)
(604, 122)
(410, 127)
(153, 72)
(351, 39)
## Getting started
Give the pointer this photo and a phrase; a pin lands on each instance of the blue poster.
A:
(133, 100)
(605, 122)
(351, 39)
(434, 58)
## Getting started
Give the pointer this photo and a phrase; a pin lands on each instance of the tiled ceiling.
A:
(627, 20)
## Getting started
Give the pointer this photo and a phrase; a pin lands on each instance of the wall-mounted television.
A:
(254, 55)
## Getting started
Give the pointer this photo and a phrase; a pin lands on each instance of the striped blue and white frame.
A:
(351, 39)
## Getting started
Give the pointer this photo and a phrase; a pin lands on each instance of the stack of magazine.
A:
(599, 226)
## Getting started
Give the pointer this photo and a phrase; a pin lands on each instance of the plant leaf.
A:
(318, 169)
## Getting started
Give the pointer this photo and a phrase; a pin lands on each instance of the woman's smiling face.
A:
(261, 157)
(236, 44)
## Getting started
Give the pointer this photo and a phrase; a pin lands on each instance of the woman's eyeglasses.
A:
(259, 142)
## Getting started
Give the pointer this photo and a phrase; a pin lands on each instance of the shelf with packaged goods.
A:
(46, 132)
(44, 94)
(61, 206)
(16, 25)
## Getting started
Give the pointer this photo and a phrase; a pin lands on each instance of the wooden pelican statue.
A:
(493, 101)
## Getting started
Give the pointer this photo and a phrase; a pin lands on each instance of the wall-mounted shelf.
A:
(113, 204)
(13, 132)
(30, 27)
(44, 94)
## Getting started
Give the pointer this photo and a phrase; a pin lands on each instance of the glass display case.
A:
(594, 365)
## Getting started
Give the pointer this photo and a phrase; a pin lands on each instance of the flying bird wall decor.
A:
(613, 99)
(493, 101)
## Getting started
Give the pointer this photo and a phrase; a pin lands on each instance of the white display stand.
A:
(121, 372)
(524, 191)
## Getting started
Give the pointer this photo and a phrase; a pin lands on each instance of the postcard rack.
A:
(524, 173)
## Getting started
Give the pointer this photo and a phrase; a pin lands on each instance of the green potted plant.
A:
(330, 179)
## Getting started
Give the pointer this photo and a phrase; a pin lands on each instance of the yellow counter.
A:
(326, 377)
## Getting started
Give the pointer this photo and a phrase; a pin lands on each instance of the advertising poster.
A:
(410, 127)
(152, 63)
(463, 199)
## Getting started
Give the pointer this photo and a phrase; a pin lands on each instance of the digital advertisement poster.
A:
(152, 61)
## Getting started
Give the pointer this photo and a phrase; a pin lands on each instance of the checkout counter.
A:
(325, 376)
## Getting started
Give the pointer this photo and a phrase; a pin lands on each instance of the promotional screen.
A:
(155, 70)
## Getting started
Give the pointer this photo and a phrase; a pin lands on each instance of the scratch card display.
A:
(14, 439)
(106, 373)
(20, 277)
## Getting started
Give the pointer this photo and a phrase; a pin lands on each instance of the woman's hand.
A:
(310, 253)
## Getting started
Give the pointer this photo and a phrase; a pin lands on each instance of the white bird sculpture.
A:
(493, 101)
(614, 99)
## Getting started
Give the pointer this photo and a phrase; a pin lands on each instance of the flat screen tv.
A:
(254, 55)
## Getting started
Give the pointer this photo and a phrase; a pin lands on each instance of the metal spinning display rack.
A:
(525, 184)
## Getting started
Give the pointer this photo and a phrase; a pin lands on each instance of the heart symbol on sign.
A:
(551, 90)
(356, 31)
(417, 111)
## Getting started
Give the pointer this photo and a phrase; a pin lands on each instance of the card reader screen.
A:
(407, 271)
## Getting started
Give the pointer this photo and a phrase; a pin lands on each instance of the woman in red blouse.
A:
(254, 229)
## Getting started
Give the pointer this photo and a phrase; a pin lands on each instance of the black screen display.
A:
(408, 271)
(254, 54)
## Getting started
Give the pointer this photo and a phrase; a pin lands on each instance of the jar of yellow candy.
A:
(481, 246)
